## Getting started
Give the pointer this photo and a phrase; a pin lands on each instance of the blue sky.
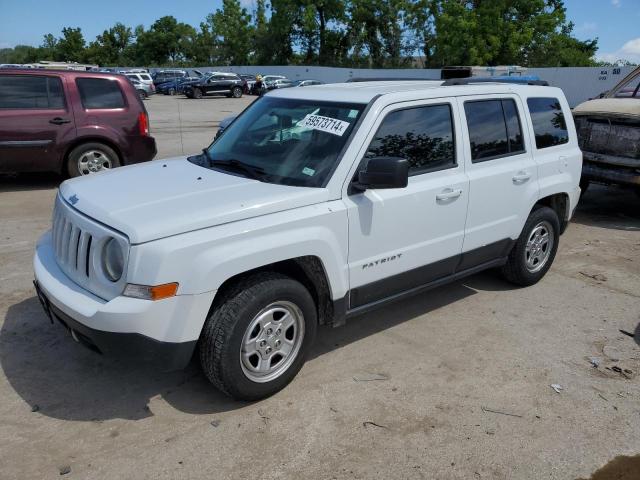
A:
(615, 22)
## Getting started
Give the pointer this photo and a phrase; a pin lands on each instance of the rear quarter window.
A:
(30, 92)
(100, 93)
(549, 125)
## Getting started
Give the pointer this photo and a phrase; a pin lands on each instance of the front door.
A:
(403, 238)
(35, 122)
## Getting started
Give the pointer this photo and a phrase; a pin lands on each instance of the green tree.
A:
(109, 48)
(233, 31)
(166, 42)
(70, 47)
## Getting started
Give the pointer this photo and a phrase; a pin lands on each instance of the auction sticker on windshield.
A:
(324, 124)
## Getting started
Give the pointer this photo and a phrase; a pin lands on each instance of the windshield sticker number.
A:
(324, 124)
(308, 171)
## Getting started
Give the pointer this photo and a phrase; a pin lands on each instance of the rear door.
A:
(502, 173)
(36, 122)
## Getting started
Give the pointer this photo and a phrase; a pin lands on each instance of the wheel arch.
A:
(308, 270)
(558, 202)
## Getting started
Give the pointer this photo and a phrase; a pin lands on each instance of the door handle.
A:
(59, 121)
(448, 194)
(521, 177)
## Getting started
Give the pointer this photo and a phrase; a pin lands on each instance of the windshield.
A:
(288, 141)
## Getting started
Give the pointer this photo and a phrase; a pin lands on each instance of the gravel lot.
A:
(454, 384)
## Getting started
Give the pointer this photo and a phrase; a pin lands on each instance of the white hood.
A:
(168, 197)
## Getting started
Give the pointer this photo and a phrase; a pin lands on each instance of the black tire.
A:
(236, 92)
(197, 93)
(74, 157)
(142, 94)
(224, 330)
(584, 185)
(172, 91)
(515, 270)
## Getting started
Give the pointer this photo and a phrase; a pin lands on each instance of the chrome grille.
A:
(77, 242)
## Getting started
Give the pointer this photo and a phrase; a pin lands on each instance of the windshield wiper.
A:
(251, 171)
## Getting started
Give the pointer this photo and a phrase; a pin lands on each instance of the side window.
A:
(548, 121)
(30, 92)
(422, 135)
(100, 93)
(494, 129)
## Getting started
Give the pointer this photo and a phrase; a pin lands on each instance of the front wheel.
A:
(256, 339)
(142, 94)
(172, 91)
(197, 93)
(535, 249)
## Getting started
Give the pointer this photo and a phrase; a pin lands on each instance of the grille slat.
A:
(82, 255)
(77, 243)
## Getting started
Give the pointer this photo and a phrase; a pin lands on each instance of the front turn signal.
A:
(147, 292)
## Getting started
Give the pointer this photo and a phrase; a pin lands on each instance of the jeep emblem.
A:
(73, 199)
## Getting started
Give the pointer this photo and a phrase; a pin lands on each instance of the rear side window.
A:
(548, 121)
(494, 129)
(145, 77)
(422, 135)
(100, 93)
(31, 92)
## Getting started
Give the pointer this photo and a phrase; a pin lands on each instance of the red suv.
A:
(71, 122)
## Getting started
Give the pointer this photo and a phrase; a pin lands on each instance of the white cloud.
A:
(629, 51)
(615, 3)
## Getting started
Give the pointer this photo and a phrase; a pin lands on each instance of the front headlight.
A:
(113, 260)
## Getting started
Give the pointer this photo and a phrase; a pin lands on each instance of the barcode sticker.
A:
(324, 124)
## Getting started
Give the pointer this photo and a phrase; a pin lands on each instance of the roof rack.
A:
(391, 79)
(512, 80)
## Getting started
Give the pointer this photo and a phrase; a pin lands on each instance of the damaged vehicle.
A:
(609, 135)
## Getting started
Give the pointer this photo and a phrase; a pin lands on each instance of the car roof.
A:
(364, 92)
(44, 71)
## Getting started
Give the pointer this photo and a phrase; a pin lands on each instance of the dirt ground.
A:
(453, 384)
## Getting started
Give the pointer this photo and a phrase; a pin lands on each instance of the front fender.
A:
(203, 260)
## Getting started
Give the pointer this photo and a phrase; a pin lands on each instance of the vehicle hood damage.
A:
(168, 197)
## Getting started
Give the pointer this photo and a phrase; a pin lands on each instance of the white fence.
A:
(578, 83)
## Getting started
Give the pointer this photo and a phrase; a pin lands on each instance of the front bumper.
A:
(163, 333)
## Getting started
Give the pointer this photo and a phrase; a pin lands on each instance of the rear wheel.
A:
(533, 253)
(236, 92)
(91, 158)
(257, 338)
(172, 91)
(197, 93)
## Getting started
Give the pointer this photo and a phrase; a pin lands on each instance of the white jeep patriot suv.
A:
(314, 205)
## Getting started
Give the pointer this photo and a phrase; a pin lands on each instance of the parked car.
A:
(315, 205)
(216, 83)
(144, 89)
(166, 75)
(142, 77)
(71, 122)
(279, 83)
(609, 134)
(176, 86)
(307, 83)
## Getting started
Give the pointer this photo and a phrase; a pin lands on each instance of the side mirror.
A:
(384, 172)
